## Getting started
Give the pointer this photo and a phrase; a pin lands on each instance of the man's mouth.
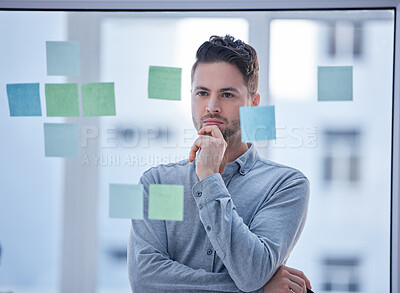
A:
(212, 121)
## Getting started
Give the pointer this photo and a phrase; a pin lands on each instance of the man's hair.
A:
(235, 52)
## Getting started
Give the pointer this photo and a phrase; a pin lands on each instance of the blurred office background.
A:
(55, 232)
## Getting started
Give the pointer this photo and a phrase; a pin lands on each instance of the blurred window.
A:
(342, 156)
(341, 274)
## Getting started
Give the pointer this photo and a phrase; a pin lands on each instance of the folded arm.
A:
(253, 253)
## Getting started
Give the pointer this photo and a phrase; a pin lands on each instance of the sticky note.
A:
(166, 202)
(62, 100)
(98, 99)
(126, 201)
(24, 99)
(257, 123)
(164, 83)
(63, 58)
(335, 83)
(61, 139)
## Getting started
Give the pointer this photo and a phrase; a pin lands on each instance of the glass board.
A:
(61, 150)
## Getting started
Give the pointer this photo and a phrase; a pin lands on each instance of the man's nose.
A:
(213, 105)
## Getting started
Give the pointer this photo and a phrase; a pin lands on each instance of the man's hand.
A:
(212, 146)
(287, 280)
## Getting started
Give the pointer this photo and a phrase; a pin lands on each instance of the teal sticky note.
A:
(335, 83)
(257, 123)
(166, 202)
(24, 99)
(98, 99)
(61, 139)
(164, 83)
(62, 100)
(63, 58)
(126, 201)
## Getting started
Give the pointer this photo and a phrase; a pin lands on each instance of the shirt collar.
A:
(245, 162)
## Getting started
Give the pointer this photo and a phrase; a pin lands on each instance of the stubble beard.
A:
(231, 133)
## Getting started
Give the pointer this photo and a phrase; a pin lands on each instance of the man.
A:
(242, 214)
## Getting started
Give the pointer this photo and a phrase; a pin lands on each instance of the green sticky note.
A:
(166, 202)
(98, 99)
(257, 123)
(63, 58)
(164, 83)
(61, 139)
(24, 99)
(62, 100)
(126, 201)
(335, 83)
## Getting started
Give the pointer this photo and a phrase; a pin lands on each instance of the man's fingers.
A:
(195, 147)
(300, 282)
(192, 153)
(301, 275)
(212, 130)
(287, 280)
(296, 287)
(213, 146)
(200, 142)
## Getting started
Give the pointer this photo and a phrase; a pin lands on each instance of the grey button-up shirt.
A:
(238, 228)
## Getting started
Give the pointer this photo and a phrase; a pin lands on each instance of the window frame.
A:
(199, 5)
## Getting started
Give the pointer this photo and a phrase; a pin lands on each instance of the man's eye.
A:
(201, 93)
(227, 95)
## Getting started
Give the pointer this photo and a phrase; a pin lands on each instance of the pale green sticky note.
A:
(63, 58)
(62, 100)
(61, 139)
(98, 99)
(166, 202)
(164, 83)
(335, 83)
(126, 201)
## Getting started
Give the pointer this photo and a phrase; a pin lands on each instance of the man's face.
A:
(218, 91)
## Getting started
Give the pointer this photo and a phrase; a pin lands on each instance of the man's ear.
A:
(255, 99)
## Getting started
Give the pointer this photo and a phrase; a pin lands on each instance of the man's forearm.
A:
(152, 271)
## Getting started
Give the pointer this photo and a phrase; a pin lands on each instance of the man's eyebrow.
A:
(226, 89)
(201, 88)
(229, 89)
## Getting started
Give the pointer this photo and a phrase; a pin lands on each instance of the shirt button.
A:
(208, 228)
(209, 252)
(199, 194)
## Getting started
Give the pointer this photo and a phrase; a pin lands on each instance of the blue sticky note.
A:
(61, 139)
(126, 201)
(24, 99)
(335, 83)
(63, 58)
(257, 123)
